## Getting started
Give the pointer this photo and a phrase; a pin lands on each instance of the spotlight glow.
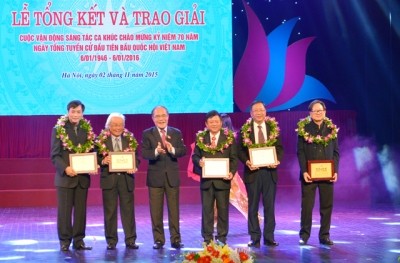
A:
(393, 239)
(47, 223)
(305, 247)
(392, 223)
(95, 238)
(343, 242)
(21, 242)
(11, 258)
(94, 225)
(389, 171)
(36, 250)
(287, 232)
(362, 156)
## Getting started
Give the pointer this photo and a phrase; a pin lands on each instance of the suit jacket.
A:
(249, 176)
(230, 152)
(60, 158)
(163, 164)
(312, 151)
(107, 180)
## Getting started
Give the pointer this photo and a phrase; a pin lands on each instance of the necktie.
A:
(261, 138)
(76, 130)
(213, 143)
(116, 145)
(163, 137)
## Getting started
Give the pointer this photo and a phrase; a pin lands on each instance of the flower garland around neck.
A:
(230, 137)
(105, 133)
(273, 130)
(61, 134)
(324, 140)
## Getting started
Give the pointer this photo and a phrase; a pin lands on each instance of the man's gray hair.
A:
(113, 115)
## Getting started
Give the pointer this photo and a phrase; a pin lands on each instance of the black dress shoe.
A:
(326, 241)
(132, 246)
(82, 247)
(64, 247)
(177, 245)
(111, 247)
(271, 243)
(158, 245)
(302, 242)
(254, 243)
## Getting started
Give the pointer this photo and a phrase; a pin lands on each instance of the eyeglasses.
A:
(258, 110)
(160, 116)
(317, 111)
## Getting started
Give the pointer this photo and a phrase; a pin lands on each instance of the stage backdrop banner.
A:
(125, 56)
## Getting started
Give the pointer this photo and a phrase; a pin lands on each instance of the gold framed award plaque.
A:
(122, 161)
(321, 170)
(263, 156)
(215, 167)
(83, 163)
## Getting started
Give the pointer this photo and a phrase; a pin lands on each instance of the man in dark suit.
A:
(72, 134)
(215, 142)
(162, 145)
(317, 140)
(260, 182)
(117, 186)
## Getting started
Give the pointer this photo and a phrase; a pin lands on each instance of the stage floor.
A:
(360, 235)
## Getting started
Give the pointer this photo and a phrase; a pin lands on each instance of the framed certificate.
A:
(263, 156)
(321, 170)
(122, 161)
(83, 163)
(215, 167)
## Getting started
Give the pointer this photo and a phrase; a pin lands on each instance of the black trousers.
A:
(156, 197)
(220, 197)
(263, 188)
(111, 197)
(325, 191)
(71, 214)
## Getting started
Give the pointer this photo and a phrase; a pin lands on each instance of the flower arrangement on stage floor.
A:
(216, 253)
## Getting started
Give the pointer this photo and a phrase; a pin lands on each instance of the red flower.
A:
(243, 256)
(210, 249)
(215, 254)
(204, 259)
(190, 256)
